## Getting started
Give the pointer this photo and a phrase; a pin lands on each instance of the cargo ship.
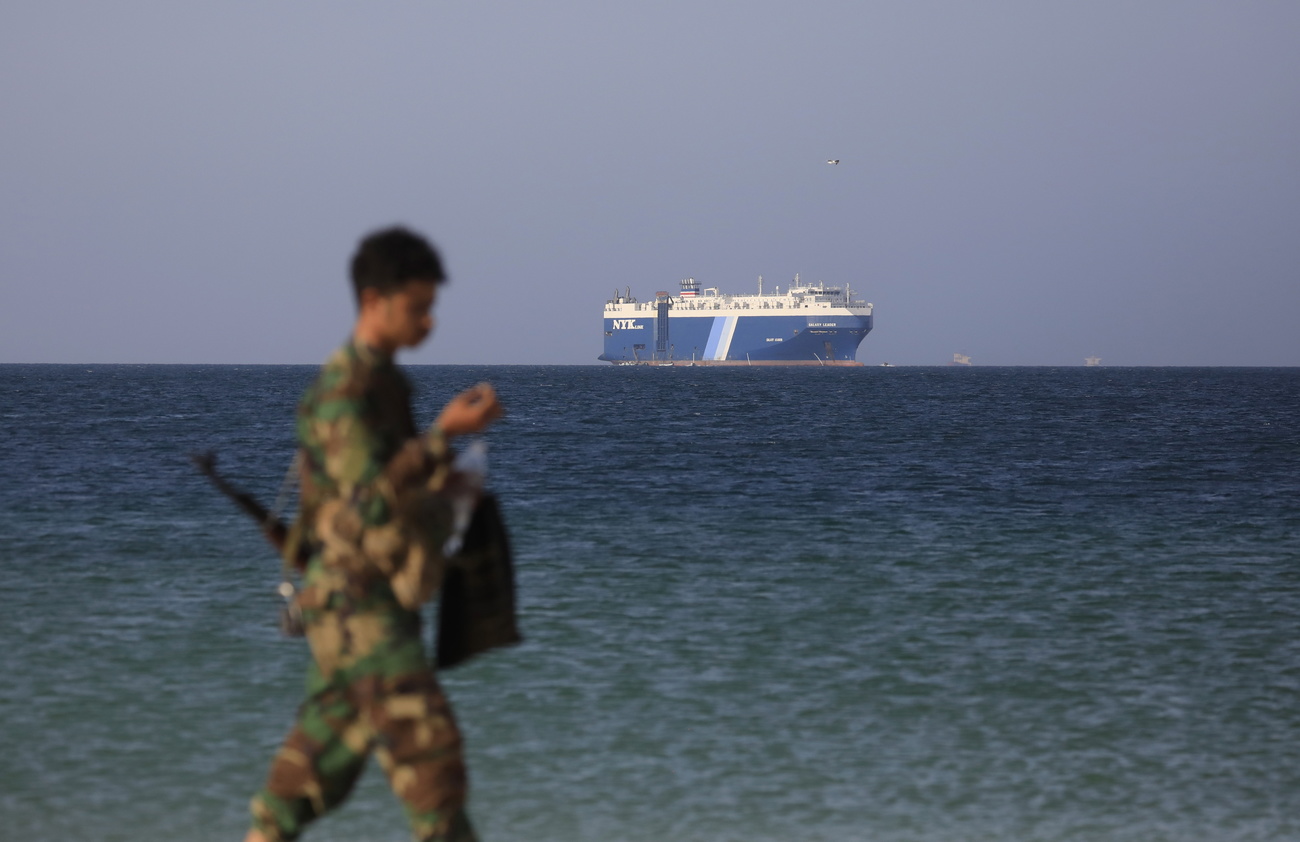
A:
(807, 324)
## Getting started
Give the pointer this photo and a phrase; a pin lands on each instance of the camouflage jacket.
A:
(369, 509)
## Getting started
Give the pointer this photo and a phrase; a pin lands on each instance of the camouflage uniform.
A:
(374, 535)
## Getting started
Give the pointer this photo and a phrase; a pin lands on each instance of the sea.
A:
(940, 604)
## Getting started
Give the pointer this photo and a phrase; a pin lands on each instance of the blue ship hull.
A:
(736, 339)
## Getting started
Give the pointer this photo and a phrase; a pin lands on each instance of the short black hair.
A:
(387, 259)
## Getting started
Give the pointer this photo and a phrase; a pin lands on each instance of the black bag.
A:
(476, 612)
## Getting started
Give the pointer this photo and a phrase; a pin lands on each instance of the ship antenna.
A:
(760, 284)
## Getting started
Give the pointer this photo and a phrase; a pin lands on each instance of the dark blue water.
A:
(816, 604)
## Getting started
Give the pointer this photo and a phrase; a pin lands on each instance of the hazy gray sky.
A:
(1025, 182)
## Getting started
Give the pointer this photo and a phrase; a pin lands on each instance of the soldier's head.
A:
(395, 276)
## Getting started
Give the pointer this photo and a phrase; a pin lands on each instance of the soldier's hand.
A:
(470, 412)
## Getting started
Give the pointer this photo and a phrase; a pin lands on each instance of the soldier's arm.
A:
(471, 411)
(353, 453)
(416, 461)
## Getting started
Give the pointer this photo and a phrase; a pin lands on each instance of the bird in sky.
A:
(832, 160)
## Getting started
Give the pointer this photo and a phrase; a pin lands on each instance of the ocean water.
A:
(931, 604)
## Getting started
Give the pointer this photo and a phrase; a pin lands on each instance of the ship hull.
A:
(736, 339)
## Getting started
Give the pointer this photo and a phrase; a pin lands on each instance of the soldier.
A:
(374, 522)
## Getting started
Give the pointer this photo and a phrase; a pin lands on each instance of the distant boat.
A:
(960, 359)
(1092, 360)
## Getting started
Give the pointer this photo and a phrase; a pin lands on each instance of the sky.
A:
(1028, 182)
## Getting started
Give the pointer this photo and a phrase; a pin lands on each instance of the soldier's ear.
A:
(368, 298)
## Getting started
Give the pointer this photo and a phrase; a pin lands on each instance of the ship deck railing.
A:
(725, 304)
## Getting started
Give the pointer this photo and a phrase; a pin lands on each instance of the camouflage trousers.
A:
(405, 721)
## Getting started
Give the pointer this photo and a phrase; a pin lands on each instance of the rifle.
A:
(477, 605)
(273, 529)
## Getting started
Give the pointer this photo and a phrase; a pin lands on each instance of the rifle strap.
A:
(288, 552)
(287, 485)
(290, 614)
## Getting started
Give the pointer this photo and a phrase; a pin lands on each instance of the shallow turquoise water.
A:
(885, 604)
